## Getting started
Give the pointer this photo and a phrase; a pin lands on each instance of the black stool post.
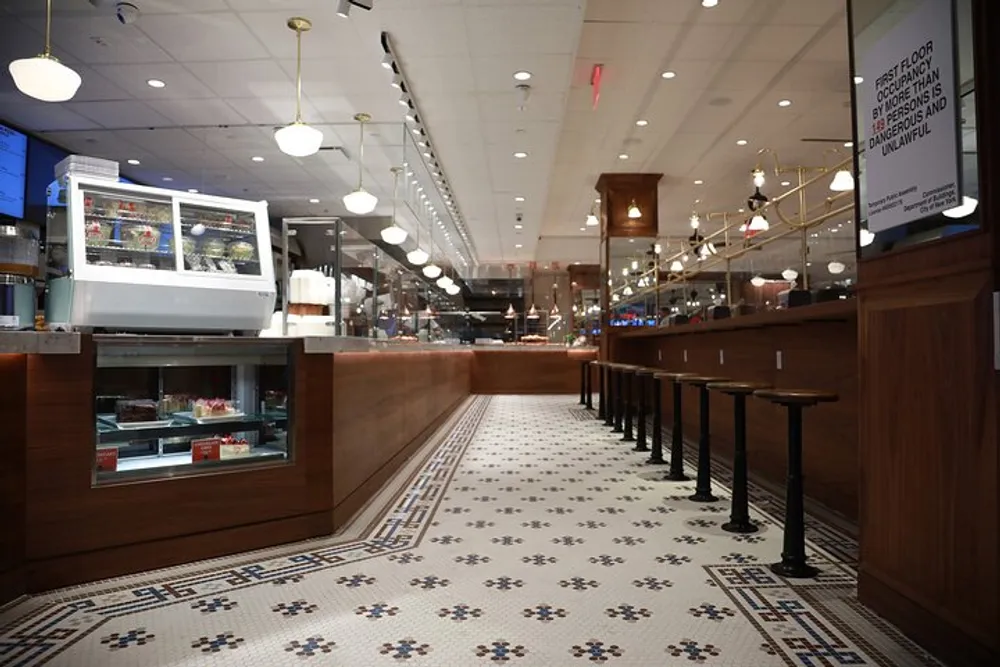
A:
(676, 473)
(601, 398)
(590, 384)
(739, 515)
(703, 487)
(628, 378)
(619, 382)
(793, 553)
(642, 378)
(656, 457)
(609, 394)
(583, 382)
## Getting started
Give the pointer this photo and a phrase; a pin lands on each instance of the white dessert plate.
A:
(133, 426)
(232, 416)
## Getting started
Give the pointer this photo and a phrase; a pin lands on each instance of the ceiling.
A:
(231, 63)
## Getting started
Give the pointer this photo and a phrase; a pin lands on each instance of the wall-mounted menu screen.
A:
(13, 160)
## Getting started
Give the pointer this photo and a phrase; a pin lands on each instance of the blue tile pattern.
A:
(529, 536)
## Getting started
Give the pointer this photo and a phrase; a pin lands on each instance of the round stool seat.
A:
(738, 388)
(803, 397)
(645, 372)
(702, 380)
(672, 376)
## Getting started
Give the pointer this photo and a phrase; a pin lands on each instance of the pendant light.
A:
(758, 281)
(444, 282)
(298, 139)
(511, 313)
(360, 201)
(676, 266)
(843, 181)
(532, 313)
(966, 208)
(790, 274)
(633, 211)
(432, 270)
(555, 310)
(836, 268)
(866, 237)
(758, 223)
(394, 234)
(44, 77)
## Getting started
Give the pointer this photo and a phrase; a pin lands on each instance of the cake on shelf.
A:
(231, 447)
(132, 411)
(534, 338)
(213, 407)
(171, 403)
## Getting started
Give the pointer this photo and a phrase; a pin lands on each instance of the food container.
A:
(189, 246)
(141, 237)
(241, 250)
(98, 233)
(17, 302)
(214, 248)
(18, 252)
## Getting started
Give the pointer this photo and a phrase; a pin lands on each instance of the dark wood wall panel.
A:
(67, 516)
(13, 373)
(538, 371)
(929, 538)
(816, 354)
(384, 406)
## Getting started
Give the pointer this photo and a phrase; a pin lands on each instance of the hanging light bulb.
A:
(790, 274)
(758, 178)
(555, 310)
(676, 266)
(758, 223)
(592, 220)
(657, 248)
(444, 281)
(44, 77)
(966, 208)
(706, 250)
(836, 267)
(633, 211)
(360, 201)
(635, 265)
(758, 281)
(511, 313)
(532, 313)
(866, 238)
(432, 270)
(843, 181)
(298, 139)
(394, 234)
(695, 221)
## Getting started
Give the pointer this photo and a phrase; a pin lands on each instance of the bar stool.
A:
(643, 378)
(618, 382)
(739, 514)
(584, 381)
(592, 367)
(607, 370)
(793, 554)
(656, 385)
(676, 473)
(703, 487)
(628, 399)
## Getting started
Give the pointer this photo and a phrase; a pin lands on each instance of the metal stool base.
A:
(703, 498)
(794, 570)
(674, 477)
(742, 527)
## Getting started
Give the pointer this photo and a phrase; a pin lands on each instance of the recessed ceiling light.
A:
(623, 156)
(518, 226)
(520, 155)
(314, 201)
(859, 79)
(155, 83)
(709, 3)
(784, 103)
(669, 74)
(785, 184)
(642, 122)
(699, 182)
(848, 144)
(583, 229)
(518, 198)
(134, 162)
(257, 158)
(522, 75)
(741, 142)
(518, 246)
(167, 179)
(193, 191)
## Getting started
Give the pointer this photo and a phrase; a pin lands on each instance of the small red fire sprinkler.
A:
(595, 84)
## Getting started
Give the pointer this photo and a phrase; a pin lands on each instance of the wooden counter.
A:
(818, 347)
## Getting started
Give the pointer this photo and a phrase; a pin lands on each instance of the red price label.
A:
(107, 459)
(205, 450)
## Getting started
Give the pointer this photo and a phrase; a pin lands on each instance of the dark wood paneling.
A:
(13, 374)
(384, 406)
(188, 517)
(929, 515)
(538, 371)
(819, 351)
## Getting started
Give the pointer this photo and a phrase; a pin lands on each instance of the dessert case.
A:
(165, 407)
(131, 258)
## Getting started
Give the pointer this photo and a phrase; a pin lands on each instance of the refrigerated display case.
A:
(166, 407)
(134, 258)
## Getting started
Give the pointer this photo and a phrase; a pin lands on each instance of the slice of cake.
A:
(132, 411)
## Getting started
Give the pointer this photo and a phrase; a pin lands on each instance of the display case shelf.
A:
(180, 428)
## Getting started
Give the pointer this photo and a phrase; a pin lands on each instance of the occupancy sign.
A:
(909, 99)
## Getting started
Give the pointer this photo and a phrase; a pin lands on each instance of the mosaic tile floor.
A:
(531, 536)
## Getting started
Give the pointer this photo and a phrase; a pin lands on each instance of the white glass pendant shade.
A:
(836, 267)
(511, 313)
(676, 266)
(758, 281)
(417, 257)
(758, 178)
(759, 224)
(45, 78)
(444, 281)
(432, 271)
(627, 291)
(592, 220)
(966, 208)
(843, 181)
(789, 274)
(532, 313)
(394, 234)
(616, 298)
(298, 139)
(453, 289)
(633, 212)
(866, 238)
(360, 202)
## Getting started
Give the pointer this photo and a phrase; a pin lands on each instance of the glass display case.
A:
(163, 409)
(130, 258)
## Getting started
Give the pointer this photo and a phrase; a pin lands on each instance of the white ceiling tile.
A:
(529, 29)
(432, 75)
(100, 40)
(252, 78)
(427, 32)
(39, 116)
(199, 112)
(779, 43)
(120, 114)
(181, 84)
(203, 37)
(541, 107)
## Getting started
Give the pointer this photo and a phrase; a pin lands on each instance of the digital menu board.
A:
(13, 162)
